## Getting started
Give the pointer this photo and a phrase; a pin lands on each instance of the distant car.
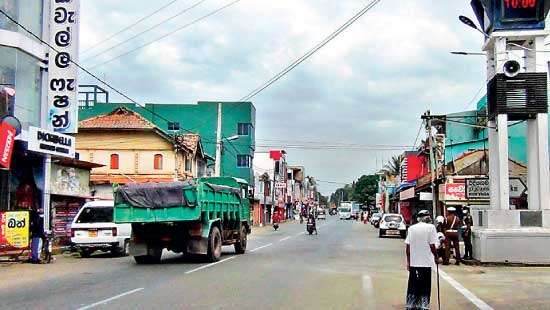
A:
(375, 219)
(344, 212)
(93, 229)
(321, 214)
(392, 224)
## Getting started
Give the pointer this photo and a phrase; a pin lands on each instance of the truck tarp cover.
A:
(153, 195)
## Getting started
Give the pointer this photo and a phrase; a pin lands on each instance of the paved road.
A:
(346, 266)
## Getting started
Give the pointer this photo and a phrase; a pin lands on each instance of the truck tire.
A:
(214, 245)
(85, 253)
(240, 245)
(153, 258)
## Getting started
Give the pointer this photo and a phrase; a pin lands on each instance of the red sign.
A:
(275, 155)
(7, 140)
(455, 191)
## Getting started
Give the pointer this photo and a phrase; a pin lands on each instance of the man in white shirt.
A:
(421, 244)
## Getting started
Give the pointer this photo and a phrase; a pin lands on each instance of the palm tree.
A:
(394, 165)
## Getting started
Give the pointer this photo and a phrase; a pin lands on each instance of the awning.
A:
(404, 186)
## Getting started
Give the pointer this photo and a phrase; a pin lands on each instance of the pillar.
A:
(498, 163)
(538, 172)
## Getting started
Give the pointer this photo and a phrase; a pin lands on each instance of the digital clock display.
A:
(520, 10)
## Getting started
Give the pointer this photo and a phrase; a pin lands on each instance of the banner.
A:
(7, 140)
(14, 230)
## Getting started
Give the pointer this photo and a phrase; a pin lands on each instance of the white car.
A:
(93, 229)
(321, 214)
(344, 212)
(392, 224)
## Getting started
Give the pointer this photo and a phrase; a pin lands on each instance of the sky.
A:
(368, 87)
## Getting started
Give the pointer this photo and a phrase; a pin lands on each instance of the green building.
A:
(238, 122)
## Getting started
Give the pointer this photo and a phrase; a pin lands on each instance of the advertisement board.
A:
(7, 140)
(455, 191)
(14, 230)
(49, 142)
(478, 189)
(70, 181)
(62, 70)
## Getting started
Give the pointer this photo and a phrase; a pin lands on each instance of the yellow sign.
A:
(14, 229)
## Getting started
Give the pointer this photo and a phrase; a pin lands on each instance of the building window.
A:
(28, 13)
(114, 161)
(244, 129)
(158, 162)
(244, 161)
(175, 126)
(188, 162)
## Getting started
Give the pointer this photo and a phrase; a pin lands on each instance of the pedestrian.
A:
(36, 228)
(421, 244)
(467, 233)
(452, 223)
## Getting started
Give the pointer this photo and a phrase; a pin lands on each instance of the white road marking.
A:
(104, 301)
(209, 265)
(480, 304)
(285, 238)
(261, 247)
(368, 291)
(302, 233)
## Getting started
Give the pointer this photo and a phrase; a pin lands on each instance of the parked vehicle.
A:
(321, 214)
(344, 211)
(355, 210)
(194, 217)
(333, 211)
(392, 224)
(93, 229)
(375, 219)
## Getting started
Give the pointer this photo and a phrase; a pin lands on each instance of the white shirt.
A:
(419, 238)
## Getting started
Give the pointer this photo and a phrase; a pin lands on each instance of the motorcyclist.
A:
(311, 223)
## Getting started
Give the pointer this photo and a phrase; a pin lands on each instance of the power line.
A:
(129, 26)
(110, 48)
(310, 52)
(417, 135)
(86, 70)
(167, 34)
(475, 96)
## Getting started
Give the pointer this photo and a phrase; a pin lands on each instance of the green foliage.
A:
(363, 191)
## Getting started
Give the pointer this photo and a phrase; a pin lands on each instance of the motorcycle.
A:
(310, 226)
(275, 226)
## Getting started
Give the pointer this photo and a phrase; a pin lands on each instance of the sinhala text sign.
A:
(62, 72)
(14, 230)
(478, 189)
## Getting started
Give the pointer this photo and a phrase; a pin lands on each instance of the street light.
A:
(469, 53)
(470, 23)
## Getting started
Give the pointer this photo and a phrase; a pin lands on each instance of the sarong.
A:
(419, 288)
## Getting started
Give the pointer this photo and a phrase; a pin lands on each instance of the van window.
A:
(392, 218)
(96, 215)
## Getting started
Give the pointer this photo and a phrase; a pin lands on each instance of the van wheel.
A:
(124, 251)
(85, 253)
(240, 245)
(214, 245)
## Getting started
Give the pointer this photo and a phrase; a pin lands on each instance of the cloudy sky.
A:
(367, 87)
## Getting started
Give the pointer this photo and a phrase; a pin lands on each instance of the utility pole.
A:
(433, 165)
(273, 191)
(217, 166)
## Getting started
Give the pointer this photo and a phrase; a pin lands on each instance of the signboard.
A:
(49, 142)
(14, 229)
(455, 191)
(426, 196)
(7, 140)
(280, 185)
(478, 189)
(407, 194)
(62, 71)
(70, 181)
(517, 188)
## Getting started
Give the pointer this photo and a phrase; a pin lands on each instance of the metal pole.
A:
(217, 167)
(263, 216)
(273, 192)
(433, 166)
(438, 293)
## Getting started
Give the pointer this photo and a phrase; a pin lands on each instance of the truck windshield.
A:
(96, 215)
(392, 218)
(345, 209)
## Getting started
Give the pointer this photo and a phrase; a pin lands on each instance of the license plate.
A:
(392, 232)
(92, 233)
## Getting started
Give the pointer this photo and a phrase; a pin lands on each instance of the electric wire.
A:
(129, 26)
(218, 10)
(312, 51)
(110, 48)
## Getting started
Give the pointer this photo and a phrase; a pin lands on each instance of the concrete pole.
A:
(494, 183)
(217, 166)
(502, 154)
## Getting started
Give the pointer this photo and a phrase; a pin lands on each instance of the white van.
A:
(93, 229)
(344, 211)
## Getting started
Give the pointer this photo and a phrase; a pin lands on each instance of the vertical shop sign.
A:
(62, 77)
(7, 140)
(14, 229)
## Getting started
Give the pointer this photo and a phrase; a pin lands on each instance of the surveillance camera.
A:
(511, 68)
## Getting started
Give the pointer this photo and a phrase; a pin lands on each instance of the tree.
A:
(394, 165)
(365, 189)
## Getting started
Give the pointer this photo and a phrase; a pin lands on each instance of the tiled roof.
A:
(189, 141)
(120, 118)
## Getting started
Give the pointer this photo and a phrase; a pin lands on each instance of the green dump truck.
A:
(191, 217)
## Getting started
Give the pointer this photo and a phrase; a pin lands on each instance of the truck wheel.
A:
(124, 251)
(240, 246)
(153, 258)
(85, 253)
(214, 245)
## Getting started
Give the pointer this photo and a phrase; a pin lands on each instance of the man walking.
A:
(452, 223)
(421, 250)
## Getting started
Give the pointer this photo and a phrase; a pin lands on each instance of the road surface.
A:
(345, 266)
